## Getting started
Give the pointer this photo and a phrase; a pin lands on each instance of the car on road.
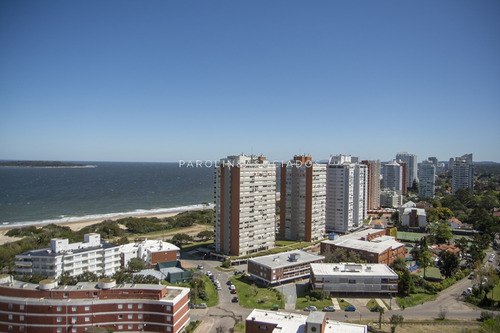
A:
(201, 306)
(350, 308)
(311, 308)
(330, 308)
(232, 287)
(208, 273)
(235, 299)
(471, 277)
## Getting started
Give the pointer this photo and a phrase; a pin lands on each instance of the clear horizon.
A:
(167, 81)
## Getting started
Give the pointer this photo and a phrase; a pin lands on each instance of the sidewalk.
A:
(336, 303)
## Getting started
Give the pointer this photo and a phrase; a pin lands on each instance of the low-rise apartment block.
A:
(91, 255)
(354, 278)
(49, 308)
(282, 267)
(150, 252)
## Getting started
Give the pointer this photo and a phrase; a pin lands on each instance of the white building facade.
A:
(354, 278)
(411, 161)
(346, 194)
(393, 177)
(427, 179)
(463, 173)
(245, 205)
(303, 200)
(91, 255)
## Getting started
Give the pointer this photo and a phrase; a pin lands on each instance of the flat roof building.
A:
(49, 308)
(150, 252)
(314, 322)
(281, 267)
(354, 278)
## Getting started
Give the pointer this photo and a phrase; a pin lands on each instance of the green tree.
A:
(462, 243)
(181, 238)
(395, 321)
(405, 284)
(423, 255)
(491, 325)
(206, 235)
(339, 255)
(399, 264)
(135, 264)
(448, 263)
(442, 232)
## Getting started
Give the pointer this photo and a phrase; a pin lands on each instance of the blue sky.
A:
(171, 80)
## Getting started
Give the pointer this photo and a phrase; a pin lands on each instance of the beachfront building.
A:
(463, 173)
(302, 199)
(245, 205)
(49, 308)
(150, 252)
(354, 278)
(427, 179)
(346, 194)
(315, 322)
(373, 170)
(91, 255)
(411, 162)
(281, 267)
(372, 245)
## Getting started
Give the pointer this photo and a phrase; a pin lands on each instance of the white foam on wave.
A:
(137, 212)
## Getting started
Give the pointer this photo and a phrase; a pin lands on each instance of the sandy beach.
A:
(78, 225)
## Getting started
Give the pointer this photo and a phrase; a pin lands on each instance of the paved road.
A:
(227, 314)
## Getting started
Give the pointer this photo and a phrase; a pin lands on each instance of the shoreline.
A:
(79, 223)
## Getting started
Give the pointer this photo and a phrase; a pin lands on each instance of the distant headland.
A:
(43, 164)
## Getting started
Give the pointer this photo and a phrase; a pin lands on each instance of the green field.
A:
(252, 296)
(431, 273)
(409, 236)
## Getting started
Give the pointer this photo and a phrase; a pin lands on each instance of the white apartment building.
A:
(302, 199)
(393, 177)
(245, 205)
(411, 161)
(150, 252)
(390, 199)
(427, 179)
(346, 194)
(354, 278)
(91, 255)
(463, 173)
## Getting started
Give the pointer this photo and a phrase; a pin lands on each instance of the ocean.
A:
(111, 189)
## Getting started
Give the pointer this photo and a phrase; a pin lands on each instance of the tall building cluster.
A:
(315, 198)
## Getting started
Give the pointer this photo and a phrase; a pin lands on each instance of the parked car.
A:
(350, 308)
(235, 299)
(374, 309)
(232, 287)
(191, 305)
(208, 273)
(311, 308)
(233, 291)
(200, 266)
(471, 277)
(201, 306)
(229, 283)
(330, 308)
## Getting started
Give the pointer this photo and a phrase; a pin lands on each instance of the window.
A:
(140, 326)
(21, 329)
(95, 293)
(10, 328)
(140, 306)
(130, 327)
(10, 306)
(87, 318)
(59, 319)
(120, 306)
(262, 328)
(74, 330)
(87, 308)
(21, 307)
(10, 317)
(21, 318)
(130, 316)
(169, 308)
(120, 327)
(73, 308)
(65, 295)
(352, 281)
(139, 316)
(59, 308)
(169, 329)
(169, 318)
(129, 306)
(59, 330)
(120, 316)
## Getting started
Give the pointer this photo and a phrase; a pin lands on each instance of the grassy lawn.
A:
(496, 293)
(431, 272)
(415, 299)
(343, 303)
(240, 327)
(409, 236)
(320, 304)
(371, 304)
(213, 295)
(255, 297)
